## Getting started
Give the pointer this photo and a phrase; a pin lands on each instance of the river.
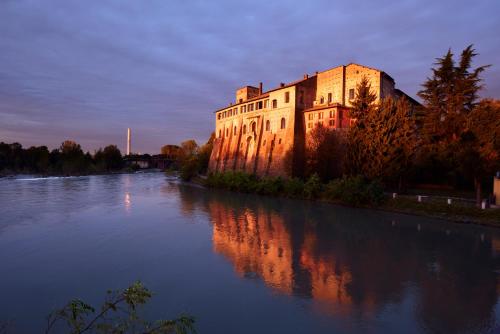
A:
(240, 263)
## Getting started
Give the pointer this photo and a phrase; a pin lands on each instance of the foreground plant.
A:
(118, 314)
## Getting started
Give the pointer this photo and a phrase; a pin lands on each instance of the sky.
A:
(87, 70)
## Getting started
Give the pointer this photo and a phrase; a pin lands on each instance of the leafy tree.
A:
(325, 153)
(478, 150)
(109, 159)
(118, 314)
(189, 148)
(170, 150)
(204, 154)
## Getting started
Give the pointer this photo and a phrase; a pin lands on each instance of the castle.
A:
(265, 133)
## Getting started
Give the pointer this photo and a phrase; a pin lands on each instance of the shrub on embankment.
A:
(352, 190)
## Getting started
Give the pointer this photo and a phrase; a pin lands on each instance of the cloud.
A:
(88, 70)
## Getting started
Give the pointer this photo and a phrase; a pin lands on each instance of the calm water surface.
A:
(240, 263)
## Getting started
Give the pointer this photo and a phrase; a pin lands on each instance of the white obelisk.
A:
(129, 141)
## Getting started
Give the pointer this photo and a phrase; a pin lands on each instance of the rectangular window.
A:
(332, 122)
(330, 98)
(275, 104)
(250, 107)
(287, 97)
(218, 116)
(309, 125)
(243, 109)
(320, 115)
(259, 105)
(266, 103)
(351, 94)
(311, 116)
(235, 111)
(332, 113)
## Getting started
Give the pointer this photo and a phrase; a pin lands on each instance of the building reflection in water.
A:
(356, 263)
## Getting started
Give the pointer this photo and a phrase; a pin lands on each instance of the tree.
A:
(204, 154)
(118, 314)
(364, 101)
(478, 150)
(189, 147)
(449, 96)
(73, 159)
(383, 145)
(172, 151)
(108, 159)
(450, 144)
(325, 153)
(363, 104)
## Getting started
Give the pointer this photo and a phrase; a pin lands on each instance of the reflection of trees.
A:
(353, 262)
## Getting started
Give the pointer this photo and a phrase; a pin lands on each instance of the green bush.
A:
(312, 188)
(189, 169)
(270, 186)
(355, 190)
(294, 187)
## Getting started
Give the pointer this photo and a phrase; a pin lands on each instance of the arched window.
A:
(283, 123)
(268, 125)
(244, 129)
(254, 125)
(234, 133)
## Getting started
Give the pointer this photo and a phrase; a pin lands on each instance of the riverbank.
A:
(354, 192)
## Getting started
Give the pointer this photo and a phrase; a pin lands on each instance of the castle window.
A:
(275, 104)
(320, 115)
(311, 116)
(250, 107)
(268, 125)
(253, 126)
(332, 113)
(244, 129)
(283, 123)
(243, 109)
(287, 97)
(329, 97)
(234, 133)
(259, 105)
(321, 100)
(332, 122)
(351, 94)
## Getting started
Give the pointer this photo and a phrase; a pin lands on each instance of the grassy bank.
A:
(352, 191)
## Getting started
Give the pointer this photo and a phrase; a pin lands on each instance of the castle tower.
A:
(129, 141)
